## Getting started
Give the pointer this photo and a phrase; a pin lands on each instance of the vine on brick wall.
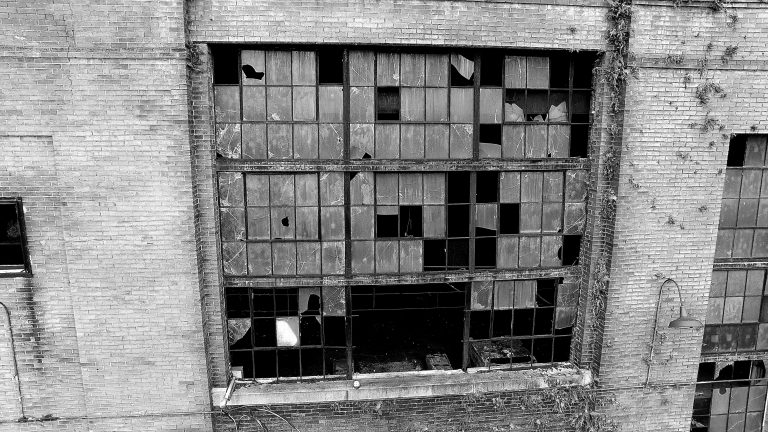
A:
(581, 404)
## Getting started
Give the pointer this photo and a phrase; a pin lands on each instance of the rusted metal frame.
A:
(391, 279)
(347, 217)
(298, 165)
(740, 263)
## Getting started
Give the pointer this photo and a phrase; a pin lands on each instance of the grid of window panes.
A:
(737, 317)
(294, 223)
(743, 231)
(333, 331)
(730, 397)
(290, 104)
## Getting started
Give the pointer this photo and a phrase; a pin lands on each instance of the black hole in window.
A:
(571, 246)
(737, 150)
(237, 303)
(243, 359)
(284, 221)
(434, 254)
(487, 187)
(562, 351)
(251, 73)
(509, 222)
(287, 302)
(458, 188)
(265, 362)
(545, 292)
(288, 362)
(579, 140)
(706, 371)
(263, 304)
(490, 133)
(479, 325)
(458, 221)
(583, 63)
(491, 70)
(386, 225)
(522, 323)
(741, 369)
(458, 253)
(330, 66)
(225, 63)
(388, 103)
(410, 221)
(544, 321)
(502, 323)
(485, 252)
(467, 79)
(264, 332)
(536, 105)
(559, 69)
(542, 350)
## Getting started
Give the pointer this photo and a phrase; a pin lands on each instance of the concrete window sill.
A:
(391, 386)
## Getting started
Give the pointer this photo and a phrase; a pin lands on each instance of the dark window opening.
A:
(491, 70)
(490, 134)
(571, 246)
(509, 222)
(579, 141)
(13, 251)
(559, 71)
(583, 64)
(458, 187)
(487, 187)
(330, 66)
(386, 225)
(462, 70)
(388, 103)
(410, 221)
(730, 397)
(225, 62)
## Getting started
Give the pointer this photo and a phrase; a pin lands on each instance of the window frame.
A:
(472, 165)
(18, 270)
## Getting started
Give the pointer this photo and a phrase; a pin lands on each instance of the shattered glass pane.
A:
(575, 186)
(481, 295)
(232, 222)
(237, 328)
(575, 218)
(230, 189)
(283, 222)
(331, 188)
(361, 188)
(334, 301)
(228, 140)
(233, 258)
(253, 68)
(550, 250)
(485, 216)
(333, 257)
(558, 107)
(361, 141)
(462, 70)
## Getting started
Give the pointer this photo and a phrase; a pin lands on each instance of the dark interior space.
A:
(407, 327)
(330, 66)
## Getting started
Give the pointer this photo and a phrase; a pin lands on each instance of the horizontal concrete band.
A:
(391, 386)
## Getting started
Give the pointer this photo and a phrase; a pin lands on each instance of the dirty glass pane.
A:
(387, 69)
(434, 221)
(437, 104)
(387, 253)
(283, 222)
(509, 187)
(333, 257)
(558, 141)
(361, 188)
(279, 141)
(278, 67)
(232, 223)
(362, 257)
(434, 188)
(490, 105)
(361, 141)
(228, 137)
(485, 216)
(437, 70)
(331, 103)
(551, 216)
(531, 187)
(550, 247)
(305, 141)
(362, 222)
(281, 189)
(257, 189)
(227, 103)
(361, 105)
(254, 141)
(535, 141)
(332, 223)
(525, 294)
(361, 68)
(507, 255)
(514, 72)
(308, 258)
(412, 141)
(331, 141)
(386, 188)
(504, 293)
(755, 151)
(254, 104)
(306, 223)
(410, 189)
(259, 259)
(279, 104)
(387, 141)
(575, 186)
(412, 104)
(411, 256)
(530, 248)
(304, 103)
(538, 72)
(258, 223)
(462, 105)
(284, 258)
(233, 258)
(461, 141)
(575, 218)
(412, 70)
(253, 67)
(303, 67)
(513, 143)
(436, 141)
(334, 301)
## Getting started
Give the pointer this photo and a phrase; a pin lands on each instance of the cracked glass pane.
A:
(308, 258)
(481, 295)
(232, 223)
(228, 137)
(361, 68)
(233, 258)
(361, 141)
(461, 141)
(230, 189)
(331, 141)
(334, 301)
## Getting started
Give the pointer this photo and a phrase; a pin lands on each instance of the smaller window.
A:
(13, 247)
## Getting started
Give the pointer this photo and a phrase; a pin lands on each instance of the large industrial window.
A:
(361, 192)
(13, 249)
(730, 396)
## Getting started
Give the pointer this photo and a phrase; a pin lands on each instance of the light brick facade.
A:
(106, 133)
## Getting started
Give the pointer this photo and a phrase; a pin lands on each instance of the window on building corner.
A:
(13, 250)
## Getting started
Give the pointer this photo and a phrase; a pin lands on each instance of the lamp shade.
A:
(684, 321)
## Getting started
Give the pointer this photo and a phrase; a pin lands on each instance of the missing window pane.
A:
(331, 66)
(225, 65)
(410, 221)
(487, 187)
(388, 103)
(736, 151)
(492, 70)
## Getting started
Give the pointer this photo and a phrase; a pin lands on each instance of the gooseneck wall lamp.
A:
(682, 321)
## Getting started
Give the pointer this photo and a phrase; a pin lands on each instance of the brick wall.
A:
(94, 138)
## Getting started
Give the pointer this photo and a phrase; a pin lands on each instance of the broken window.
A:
(361, 207)
(730, 396)
(13, 247)
(737, 316)
(285, 104)
(743, 231)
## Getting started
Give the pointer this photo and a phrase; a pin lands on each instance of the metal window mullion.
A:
(467, 322)
(476, 110)
(472, 221)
